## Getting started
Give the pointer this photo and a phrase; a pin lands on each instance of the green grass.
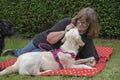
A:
(110, 72)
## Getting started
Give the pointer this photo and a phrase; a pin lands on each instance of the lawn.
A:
(110, 72)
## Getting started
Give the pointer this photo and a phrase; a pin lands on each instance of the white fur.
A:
(32, 62)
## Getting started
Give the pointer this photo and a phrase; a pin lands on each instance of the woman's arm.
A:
(54, 37)
(88, 61)
(88, 50)
(91, 63)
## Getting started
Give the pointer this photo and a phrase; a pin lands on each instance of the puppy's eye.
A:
(67, 30)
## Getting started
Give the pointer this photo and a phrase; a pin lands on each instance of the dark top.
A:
(84, 52)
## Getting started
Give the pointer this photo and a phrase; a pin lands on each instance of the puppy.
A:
(7, 29)
(32, 63)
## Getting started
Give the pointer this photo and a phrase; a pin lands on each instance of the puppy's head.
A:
(73, 36)
(7, 28)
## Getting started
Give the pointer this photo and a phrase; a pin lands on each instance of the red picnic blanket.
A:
(104, 55)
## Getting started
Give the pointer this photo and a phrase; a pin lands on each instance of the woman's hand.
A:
(54, 37)
(91, 63)
(68, 27)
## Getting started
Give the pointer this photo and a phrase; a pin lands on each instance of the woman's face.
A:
(82, 25)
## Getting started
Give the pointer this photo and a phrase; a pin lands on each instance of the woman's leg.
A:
(28, 48)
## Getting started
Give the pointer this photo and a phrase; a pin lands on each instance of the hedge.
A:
(34, 16)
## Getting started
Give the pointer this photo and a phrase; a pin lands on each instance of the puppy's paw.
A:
(45, 71)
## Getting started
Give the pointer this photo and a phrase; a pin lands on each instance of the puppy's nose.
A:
(83, 44)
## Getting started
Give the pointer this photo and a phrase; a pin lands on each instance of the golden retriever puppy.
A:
(32, 63)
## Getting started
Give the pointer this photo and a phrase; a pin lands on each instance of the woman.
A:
(85, 21)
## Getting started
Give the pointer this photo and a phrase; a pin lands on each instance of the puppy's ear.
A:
(63, 40)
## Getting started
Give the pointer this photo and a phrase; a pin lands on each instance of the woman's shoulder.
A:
(66, 20)
(63, 23)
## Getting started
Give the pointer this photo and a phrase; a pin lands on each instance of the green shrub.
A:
(33, 16)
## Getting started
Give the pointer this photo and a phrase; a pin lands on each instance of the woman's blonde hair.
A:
(91, 18)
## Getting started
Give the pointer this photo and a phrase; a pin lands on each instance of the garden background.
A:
(33, 16)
